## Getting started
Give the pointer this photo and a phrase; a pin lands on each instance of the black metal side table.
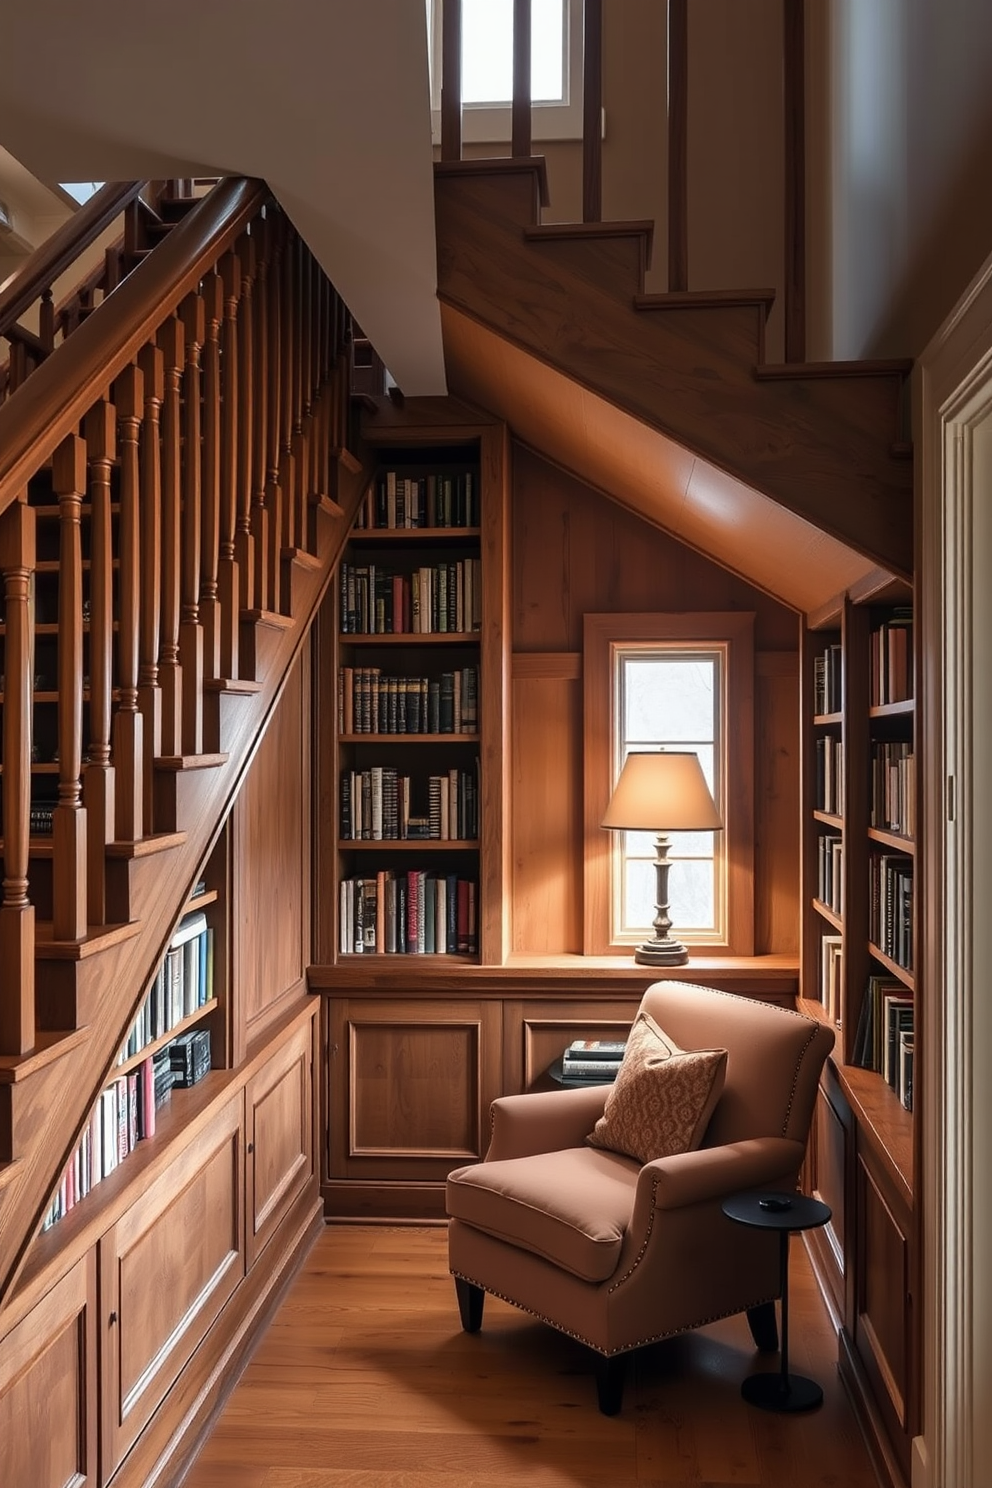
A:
(785, 1212)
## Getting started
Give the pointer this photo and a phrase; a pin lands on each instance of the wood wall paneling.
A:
(279, 1135)
(882, 1328)
(272, 850)
(546, 823)
(48, 1401)
(167, 1267)
(410, 1084)
(830, 1153)
(776, 802)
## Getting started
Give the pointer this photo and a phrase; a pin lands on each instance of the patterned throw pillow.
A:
(663, 1096)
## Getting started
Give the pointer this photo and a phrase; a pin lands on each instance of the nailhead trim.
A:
(627, 1347)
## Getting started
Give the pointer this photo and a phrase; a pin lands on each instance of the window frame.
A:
(603, 637)
(490, 124)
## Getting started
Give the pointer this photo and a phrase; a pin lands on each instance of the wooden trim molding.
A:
(954, 433)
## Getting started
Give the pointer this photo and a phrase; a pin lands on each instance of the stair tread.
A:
(236, 686)
(271, 618)
(691, 299)
(302, 558)
(498, 166)
(327, 504)
(146, 847)
(177, 762)
(49, 1048)
(894, 367)
(100, 938)
(620, 229)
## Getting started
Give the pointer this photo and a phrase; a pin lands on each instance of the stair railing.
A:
(677, 112)
(145, 436)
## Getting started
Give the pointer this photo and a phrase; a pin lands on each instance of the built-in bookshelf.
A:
(166, 1048)
(411, 731)
(859, 848)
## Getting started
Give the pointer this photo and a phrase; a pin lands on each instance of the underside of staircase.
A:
(577, 334)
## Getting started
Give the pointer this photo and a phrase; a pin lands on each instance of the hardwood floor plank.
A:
(365, 1379)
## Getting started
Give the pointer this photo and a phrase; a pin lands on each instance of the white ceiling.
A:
(326, 100)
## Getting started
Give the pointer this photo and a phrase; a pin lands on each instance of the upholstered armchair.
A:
(619, 1250)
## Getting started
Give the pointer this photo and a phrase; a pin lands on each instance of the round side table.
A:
(787, 1213)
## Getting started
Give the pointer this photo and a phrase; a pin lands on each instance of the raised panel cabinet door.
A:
(882, 1330)
(166, 1269)
(48, 1388)
(410, 1084)
(535, 1034)
(279, 1123)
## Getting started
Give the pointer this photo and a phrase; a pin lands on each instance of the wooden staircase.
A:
(826, 441)
(175, 484)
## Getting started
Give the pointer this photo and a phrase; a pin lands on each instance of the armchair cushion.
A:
(571, 1207)
(663, 1096)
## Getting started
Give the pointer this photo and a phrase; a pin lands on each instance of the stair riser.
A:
(510, 197)
(610, 265)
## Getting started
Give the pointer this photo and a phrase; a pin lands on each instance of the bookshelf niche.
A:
(416, 718)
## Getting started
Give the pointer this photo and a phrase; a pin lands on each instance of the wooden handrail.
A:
(54, 399)
(59, 252)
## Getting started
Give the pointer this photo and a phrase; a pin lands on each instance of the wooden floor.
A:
(365, 1380)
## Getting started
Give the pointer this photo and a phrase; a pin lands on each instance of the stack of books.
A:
(591, 1061)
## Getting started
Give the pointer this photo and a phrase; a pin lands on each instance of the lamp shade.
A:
(662, 792)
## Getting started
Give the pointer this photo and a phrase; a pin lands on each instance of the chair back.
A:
(774, 1058)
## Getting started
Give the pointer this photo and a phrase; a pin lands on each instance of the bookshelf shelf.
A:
(423, 535)
(409, 738)
(826, 913)
(829, 820)
(412, 638)
(893, 967)
(904, 709)
(893, 840)
(822, 719)
(191, 1021)
(408, 844)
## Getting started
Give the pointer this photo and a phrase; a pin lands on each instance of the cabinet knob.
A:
(112, 1319)
(250, 1147)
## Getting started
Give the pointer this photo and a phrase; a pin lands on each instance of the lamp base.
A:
(667, 952)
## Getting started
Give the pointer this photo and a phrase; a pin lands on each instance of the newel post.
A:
(17, 938)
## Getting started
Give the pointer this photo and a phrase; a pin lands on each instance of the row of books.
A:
(884, 1040)
(419, 912)
(592, 1061)
(124, 1115)
(184, 982)
(830, 871)
(828, 672)
(437, 499)
(892, 658)
(832, 976)
(369, 703)
(893, 788)
(829, 794)
(890, 911)
(377, 805)
(435, 599)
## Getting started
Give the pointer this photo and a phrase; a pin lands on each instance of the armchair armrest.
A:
(545, 1121)
(714, 1172)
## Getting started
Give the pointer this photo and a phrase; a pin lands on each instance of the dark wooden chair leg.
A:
(470, 1303)
(764, 1328)
(610, 1374)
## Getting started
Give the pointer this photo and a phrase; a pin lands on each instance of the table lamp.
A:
(662, 793)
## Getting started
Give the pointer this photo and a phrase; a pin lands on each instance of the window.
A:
(487, 69)
(680, 682)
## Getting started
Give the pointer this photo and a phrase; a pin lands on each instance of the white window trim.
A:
(485, 124)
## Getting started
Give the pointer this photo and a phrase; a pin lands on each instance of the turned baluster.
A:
(99, 780)
(128, 733)
(17, 938)
(69, 817)
(171, 342)
(303, 421)
(228, 581)
(287, 459)
(212, 299)
(273, 489)
(46, 320)
(190, 629)
(260, 384)
(152, 364)
(244, 548)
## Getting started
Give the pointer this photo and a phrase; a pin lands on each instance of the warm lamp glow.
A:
(662, 793)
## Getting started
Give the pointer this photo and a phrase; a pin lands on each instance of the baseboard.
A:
(373, 1202)
(886, 1463)
(166, 1449)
